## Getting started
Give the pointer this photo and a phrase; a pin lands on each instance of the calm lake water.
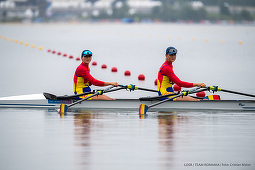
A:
(109, 140)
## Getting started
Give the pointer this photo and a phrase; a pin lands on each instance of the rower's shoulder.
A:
(82, 67)
(166, 65)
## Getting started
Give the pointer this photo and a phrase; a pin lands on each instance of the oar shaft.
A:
(240, 93)
(63, 107)
(145, 89)
(115, 89)
(157, 97)
(183, 93)
(134, 87)
(97, 93)
(155, 104)
(83, 99)
(167, 95)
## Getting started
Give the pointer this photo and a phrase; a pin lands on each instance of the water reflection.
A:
(113, 140)
(83, 125)
(96, 132)
(167, 128)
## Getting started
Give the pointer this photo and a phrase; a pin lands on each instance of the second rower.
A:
(167, 77)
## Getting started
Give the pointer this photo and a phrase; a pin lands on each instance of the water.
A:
(42, 139)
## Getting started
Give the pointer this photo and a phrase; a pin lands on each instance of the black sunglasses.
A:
(87, 56)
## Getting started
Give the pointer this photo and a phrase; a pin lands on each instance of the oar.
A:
(157, 97)
(54, 97)
(167, 95)
(64, 107)
(216, 88)
(134, 87)
(144, 108)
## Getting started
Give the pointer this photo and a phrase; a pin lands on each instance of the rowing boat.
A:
(40, 101)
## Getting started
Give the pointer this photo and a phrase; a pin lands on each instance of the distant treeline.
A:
(207, 2)
(218, 2)
(170, 12)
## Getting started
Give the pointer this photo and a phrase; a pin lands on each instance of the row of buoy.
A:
(114, 69)
(63, 54)
(19, 42)
(141, 77)
(94, 63)
(40, 47)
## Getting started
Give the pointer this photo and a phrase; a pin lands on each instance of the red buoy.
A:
(49, 50)
(53, 52)
(114, 69)
(78, 59)
(141, 77)
(200, 94)
(64, 55)
(94, 63)
(156, 82)
(70, 56)
(127, 73)
(59, 53)
(104, 66)
(177, 88)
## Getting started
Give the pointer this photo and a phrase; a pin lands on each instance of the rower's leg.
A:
(102, 97)
(186, 98)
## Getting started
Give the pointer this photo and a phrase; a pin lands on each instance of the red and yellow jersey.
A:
(83, 79)
(166, 79)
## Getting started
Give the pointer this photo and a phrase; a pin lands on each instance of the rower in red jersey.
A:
(167, 77)
(83, 80)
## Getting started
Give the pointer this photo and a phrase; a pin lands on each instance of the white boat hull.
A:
(39, 101)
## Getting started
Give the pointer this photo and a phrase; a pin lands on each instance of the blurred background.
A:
(41, 42)
(203, 11)
(40, 46)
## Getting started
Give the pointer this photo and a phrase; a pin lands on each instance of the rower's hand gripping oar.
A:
(216, 88)
(132, 87)
(144, 108)
(64, 107)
